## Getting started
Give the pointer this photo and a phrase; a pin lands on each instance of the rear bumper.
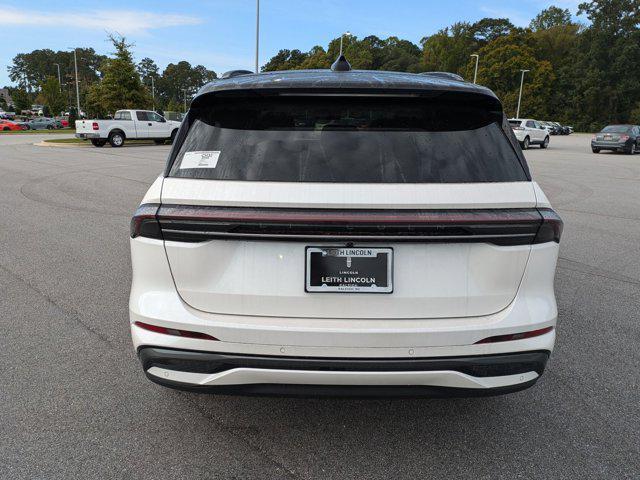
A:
(618, 146)
(267, 375)
(87, 135)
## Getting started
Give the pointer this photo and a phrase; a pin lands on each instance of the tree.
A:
(551, 17)
(605, 74)
(450, 48)
(502, 61)
(180, 77)
(488, 29)
(30, 70)
(53, 96)
(121, 86)
(21, 99)
(147, 69)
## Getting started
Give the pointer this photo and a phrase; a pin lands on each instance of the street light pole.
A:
(75, 64)
(184, 90)
(475, 74)
(59, 79)
(257, 32)
(520, 96)
(153, 94)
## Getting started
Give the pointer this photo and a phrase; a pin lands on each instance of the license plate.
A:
(608, 137)
(349, 269)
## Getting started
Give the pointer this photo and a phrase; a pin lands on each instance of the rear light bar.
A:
(185, 223)
(515, 336)
(174, 332)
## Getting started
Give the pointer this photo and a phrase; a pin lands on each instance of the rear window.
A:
(346, 139)
(515, 123)
(122, 115)
(617, 129)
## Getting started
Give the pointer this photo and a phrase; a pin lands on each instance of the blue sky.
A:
(220, 34)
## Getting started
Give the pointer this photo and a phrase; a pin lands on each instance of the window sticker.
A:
(207, 159)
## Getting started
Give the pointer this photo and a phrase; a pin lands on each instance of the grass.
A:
(39, 132)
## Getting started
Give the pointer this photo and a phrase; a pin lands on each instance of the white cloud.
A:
(122, 21)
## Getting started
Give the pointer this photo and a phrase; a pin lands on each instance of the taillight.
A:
(95, 126)
(515, 336)
(551, 228)
(144, 222)
(174, 332)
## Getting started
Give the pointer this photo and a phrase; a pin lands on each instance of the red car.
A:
(6, 125)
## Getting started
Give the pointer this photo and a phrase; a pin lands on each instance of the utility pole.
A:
(184, 90)
(520, 96)
(257, 32)
(59, 79)
(153, 94)
(475, 74)
(75, 63)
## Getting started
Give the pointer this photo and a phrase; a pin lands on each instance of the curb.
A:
(61, 145)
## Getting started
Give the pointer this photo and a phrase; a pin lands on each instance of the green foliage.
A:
(52, 95)
(121, 86)
(21, 99)
(550, 18)
(178, 78)
(30, 70)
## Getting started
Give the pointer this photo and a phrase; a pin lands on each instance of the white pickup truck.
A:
(127, 124)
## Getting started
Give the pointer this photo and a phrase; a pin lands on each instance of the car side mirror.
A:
(162, 120)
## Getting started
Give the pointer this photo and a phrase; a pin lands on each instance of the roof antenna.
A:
(341, 64)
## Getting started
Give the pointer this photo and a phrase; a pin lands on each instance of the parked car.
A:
(64, 122)
(374, 233)
(6, 126)
(127, 124)
(620, 138)
(529, 132)
(42, 123)
(549, 127)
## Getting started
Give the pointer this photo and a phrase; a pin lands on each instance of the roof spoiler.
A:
(235, 73)
(447, 75)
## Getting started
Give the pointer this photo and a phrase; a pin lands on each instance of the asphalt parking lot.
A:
(74, 402)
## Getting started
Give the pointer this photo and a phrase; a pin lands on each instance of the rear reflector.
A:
(515, 336)
(186, 223)
(174, 332)
(95, 126)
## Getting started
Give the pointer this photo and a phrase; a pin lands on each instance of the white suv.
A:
(529, 132)
(332, 232)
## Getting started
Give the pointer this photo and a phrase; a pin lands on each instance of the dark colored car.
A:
(619, 138)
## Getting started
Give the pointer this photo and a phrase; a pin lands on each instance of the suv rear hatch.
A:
(263, 184)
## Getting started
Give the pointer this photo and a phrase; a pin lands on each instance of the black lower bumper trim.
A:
(477, 366)
(352, 391)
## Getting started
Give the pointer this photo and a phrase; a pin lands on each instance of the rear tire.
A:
(631, 150)
(525, 143)
(116, 139)
(595, 150)
(98, 143)
(545, 144)
(159, 142)
(5, 129)
(49, 127)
